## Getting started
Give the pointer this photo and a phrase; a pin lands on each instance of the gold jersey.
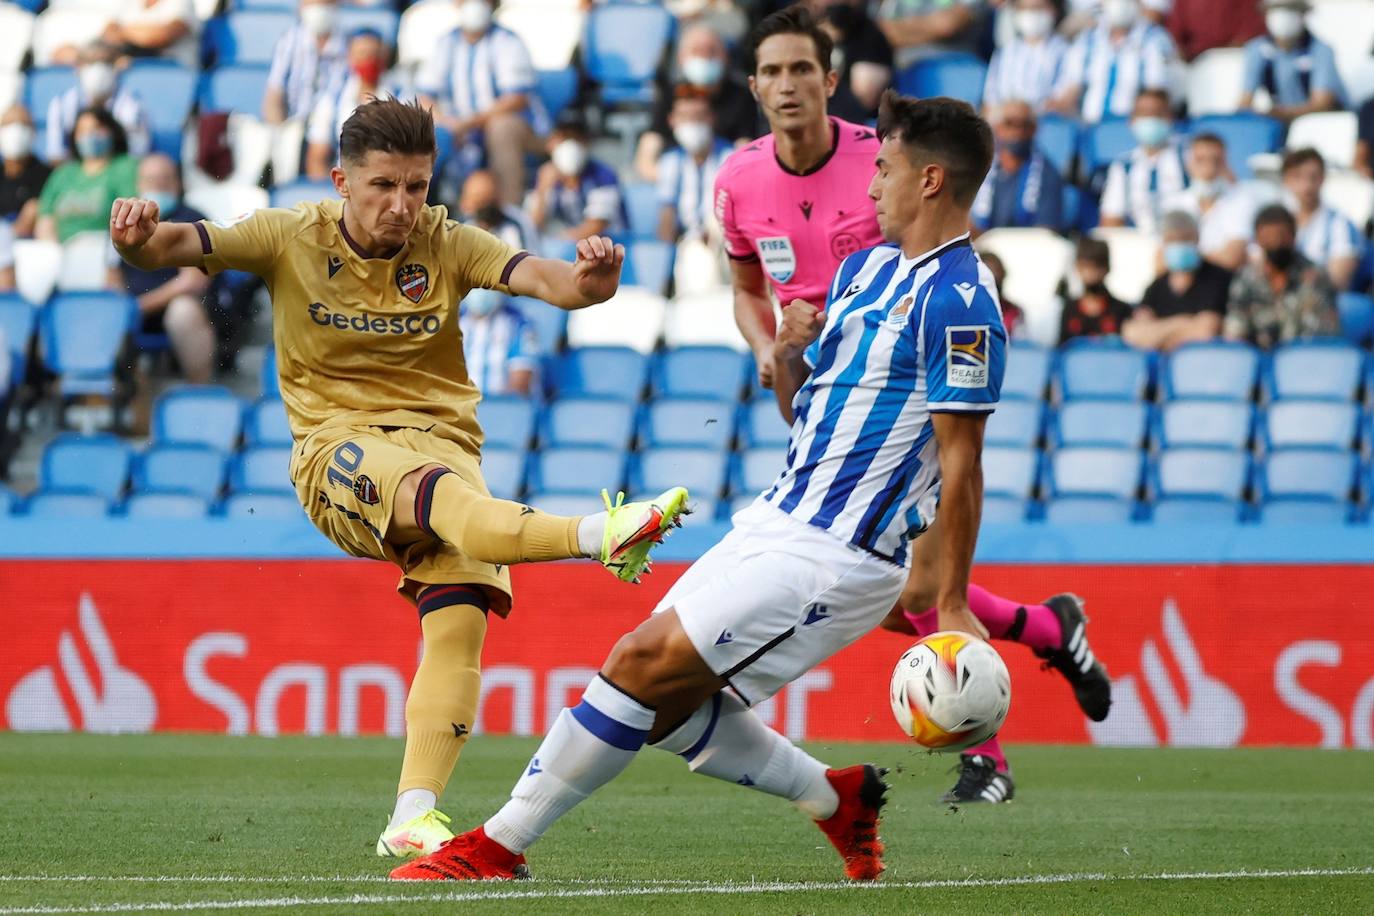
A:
(365, 341)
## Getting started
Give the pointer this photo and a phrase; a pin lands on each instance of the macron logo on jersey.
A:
(966, 356)
(966, 292)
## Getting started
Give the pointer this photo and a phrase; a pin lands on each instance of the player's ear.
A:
(340, 179)
(832, 82)
(753, 88)
(932, 179)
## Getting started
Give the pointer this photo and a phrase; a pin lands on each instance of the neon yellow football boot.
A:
(632, 530)
(419, 836)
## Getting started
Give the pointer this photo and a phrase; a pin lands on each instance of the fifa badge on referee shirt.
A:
(413, 281)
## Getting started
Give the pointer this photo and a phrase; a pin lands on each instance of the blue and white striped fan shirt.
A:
(903, 338)
(1026, 71)
(1329, 235)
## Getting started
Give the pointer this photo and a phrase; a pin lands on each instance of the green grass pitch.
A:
(187, 823)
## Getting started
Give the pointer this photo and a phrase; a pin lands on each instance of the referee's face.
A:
(385, 192)
(790, 83)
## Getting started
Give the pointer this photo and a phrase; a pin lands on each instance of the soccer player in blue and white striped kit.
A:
(889, 388)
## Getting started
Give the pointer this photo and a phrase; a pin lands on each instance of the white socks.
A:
(590, 532)
(588, 746)
(412, 803)
(727, 740)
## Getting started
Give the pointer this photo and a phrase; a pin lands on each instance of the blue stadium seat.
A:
(167, 90)
(266, 424)
(254, 505)
(687, 423)
(600, 422)
(1245, 135)
(1100, 143)
(1224, 371)
(66, 504)
(649, 263)
(1357, 318)
(206, 415)
(166, 505)
(378, 18)
(1101, 369)
(1201, 472)
(1089, 510)
(1091, 422)
(1293, 423)
(197, 469)
(9, 501)
(93, 464)
(1219, 424)
(237, 87)
(42, 85)
(577, 470)
(566, 503)
(700, 470)
(1304, 512)
(1010, 471)
(762, 424)
(1013, 423)
(550, 323)
(615, 372)
(1004, 509)
(17, 320)
(1330, 369)
(262, 470)
(82, 335)
(557, 89)
(267, 380)
(1094, 472)
(503, 469)
(507, 420)
(622, 47)
(1028, 370)
(1185, 510)
(1057, 137)
(703, 372)
(246, 36)
(957, 75)
(1072, 215)
(757, 469)
(642, 208)
(1308, 474)
(302, 190)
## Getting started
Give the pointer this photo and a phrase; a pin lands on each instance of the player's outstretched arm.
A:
(148, 244)
(959, 438)
(801, 324)
(593, 277)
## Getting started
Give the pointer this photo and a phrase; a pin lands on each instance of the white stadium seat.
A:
(227, 200)
(422, 25)
(1331, 133)
(1349, 193)
(36, 266)
(1135, 257)
(16, 32)
(1036, 260)
(632, 318)
(75, 24)
(704, 319)
(11, 89)
(550, 29)
(86, 260)
(1215, 81)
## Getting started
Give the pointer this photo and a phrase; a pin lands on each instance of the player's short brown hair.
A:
(387, 126)
(793, 20)
(943, 130)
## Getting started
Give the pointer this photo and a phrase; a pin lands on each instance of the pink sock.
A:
(992, 749)
(1039, 629)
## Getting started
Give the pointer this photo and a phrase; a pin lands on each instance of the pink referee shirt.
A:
(800, 227)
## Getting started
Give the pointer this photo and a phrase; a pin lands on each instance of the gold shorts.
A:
(346, 478)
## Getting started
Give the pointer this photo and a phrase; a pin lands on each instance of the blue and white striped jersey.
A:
(903, 338)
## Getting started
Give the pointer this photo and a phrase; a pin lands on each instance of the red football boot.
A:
(853, 828)
(472, 856)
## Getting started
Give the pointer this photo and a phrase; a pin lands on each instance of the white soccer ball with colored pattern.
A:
(950, 691)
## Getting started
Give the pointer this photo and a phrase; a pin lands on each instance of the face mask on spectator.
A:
(1119, 14)
(1150, 132)
(702, 71)
(369, 71)
(318, 18)
(474, 16)
(570, 158)
(166, 201)
(16, 141)
(1021, 149)
(1281, 257)
(482, 302)
(95, 145)
(693, 136)
(97, 80)
(1283, 23)
(1033, 23)
(490, 215)
(1182, 256)
(1209, 188)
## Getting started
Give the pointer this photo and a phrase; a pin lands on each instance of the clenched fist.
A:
(132, 222)
(801, 324)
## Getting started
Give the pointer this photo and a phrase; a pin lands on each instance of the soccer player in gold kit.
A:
(365, 295)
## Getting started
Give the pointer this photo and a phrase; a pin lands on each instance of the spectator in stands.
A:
(6, 284)
(1027, 67)
(173, 301)
(499, 344)
(1224, 211)
(574, 195)
(96, 87)
(480, 205)
(1280, 295)
(1201, 25)
(1325, 236)
(24, 173)
(1023, 188)
(1093, 311)
(923, 28)
(1364, 144)
(156, 28)
(1297, 70)
(862, 58)
(481, 83)
(1186, 302)
(701, 63)
(78, 195)
(1109, 65)
(1139, 181)
(367, 58)
(687, 172)
(306, 61)
(1013, 316)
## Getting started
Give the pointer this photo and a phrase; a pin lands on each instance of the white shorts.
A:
(776, 597)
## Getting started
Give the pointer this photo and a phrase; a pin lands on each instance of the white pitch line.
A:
(666, 890)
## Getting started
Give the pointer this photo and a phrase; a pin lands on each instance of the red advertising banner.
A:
(1210, 655)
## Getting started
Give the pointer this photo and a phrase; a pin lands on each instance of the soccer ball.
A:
(950, 691)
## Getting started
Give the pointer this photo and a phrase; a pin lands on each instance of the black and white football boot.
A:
(979, 781)
(1074, 658)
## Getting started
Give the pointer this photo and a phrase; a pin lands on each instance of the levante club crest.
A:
(413, 281)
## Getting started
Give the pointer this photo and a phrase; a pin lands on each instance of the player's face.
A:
(789, 82)
(897, 188)
(385, 193)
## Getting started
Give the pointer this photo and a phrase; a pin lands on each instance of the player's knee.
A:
(650, 661)
(184, 314)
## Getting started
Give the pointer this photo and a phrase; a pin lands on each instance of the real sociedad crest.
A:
(413, 281)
